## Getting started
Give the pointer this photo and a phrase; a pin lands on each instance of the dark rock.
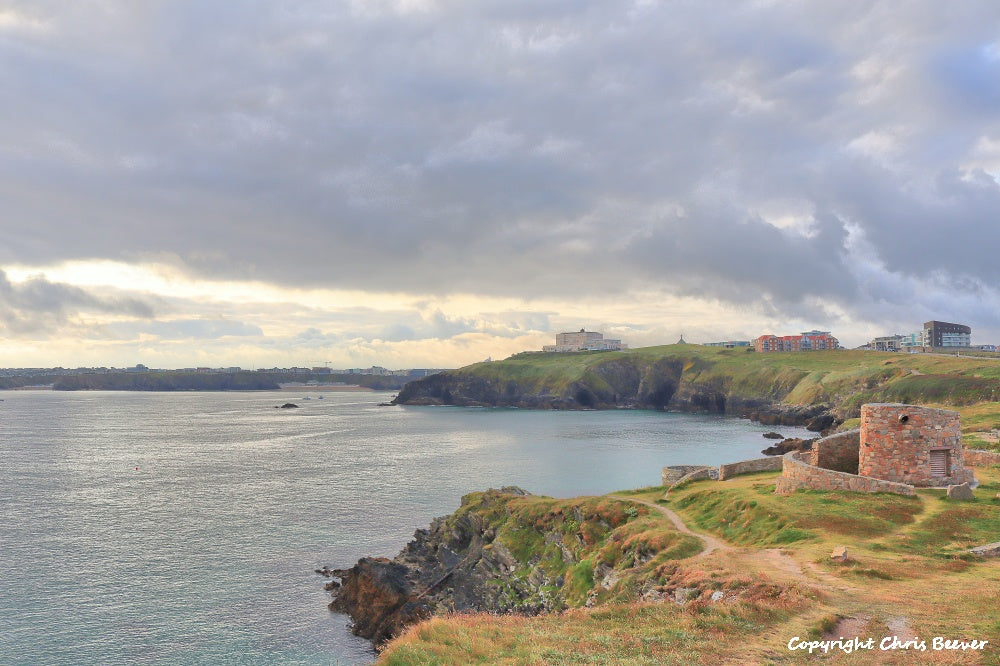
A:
(455, 566)
(377, 595)
(821, 422)
(787, 445)
(773, 435)
(288, 405)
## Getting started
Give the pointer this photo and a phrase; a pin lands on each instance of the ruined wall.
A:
(730, 470)
(897, 441)
(796, 472)
(980, 458)
(837, 452)
(674, 473)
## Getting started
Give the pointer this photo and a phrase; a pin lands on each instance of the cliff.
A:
(505, 551)
(817, 389)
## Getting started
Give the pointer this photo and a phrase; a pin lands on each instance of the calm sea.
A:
(184, 528)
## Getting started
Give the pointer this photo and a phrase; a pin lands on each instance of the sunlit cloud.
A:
(429, 183)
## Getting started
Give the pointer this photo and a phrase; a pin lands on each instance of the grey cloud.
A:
(184, 329)
(37, 304)
(509, 148)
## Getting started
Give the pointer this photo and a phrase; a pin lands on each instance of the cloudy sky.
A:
(427, 183)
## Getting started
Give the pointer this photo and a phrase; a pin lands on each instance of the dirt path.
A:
(772, 558)
(711, 543)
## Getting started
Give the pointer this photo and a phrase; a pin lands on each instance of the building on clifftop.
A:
(807, 341)
(584, 340)
(898, 447)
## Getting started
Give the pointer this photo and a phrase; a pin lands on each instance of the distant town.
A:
(936, 336)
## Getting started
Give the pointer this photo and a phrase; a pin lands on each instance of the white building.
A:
(583, 340)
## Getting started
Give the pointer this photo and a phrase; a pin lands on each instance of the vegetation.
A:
(579, 549)
(841, 379)
(754, 516)
(906, 564)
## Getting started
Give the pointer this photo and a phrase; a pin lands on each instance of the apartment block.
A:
(807, 341)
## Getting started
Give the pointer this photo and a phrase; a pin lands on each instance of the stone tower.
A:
(910, 444)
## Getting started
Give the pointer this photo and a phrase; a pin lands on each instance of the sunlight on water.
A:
(158, 528)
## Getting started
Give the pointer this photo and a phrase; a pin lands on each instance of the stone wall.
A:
(730, 470)
(674, 473)
(697, 474)
(797, 473)
(980, 458)
(897, 440)
(837, 452)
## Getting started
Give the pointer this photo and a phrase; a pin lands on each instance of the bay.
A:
(184, 528)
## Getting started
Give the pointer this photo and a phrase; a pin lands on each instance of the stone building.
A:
(909, 444)
(897, 448)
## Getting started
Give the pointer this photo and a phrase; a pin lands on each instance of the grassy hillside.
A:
(907, 575)
(844, 380)
(797, 378)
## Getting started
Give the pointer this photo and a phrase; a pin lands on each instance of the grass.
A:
(571, 544)
(750, 514)
(952, 527)
(843, 379)
(905, 566)
(616, 634)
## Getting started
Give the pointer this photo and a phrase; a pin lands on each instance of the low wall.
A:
(796, 473)
(698, 473)
(838, 452)
(730, 470)
(674, 473)
(981, 458)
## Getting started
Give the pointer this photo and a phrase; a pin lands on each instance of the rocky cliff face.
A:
(378, 595)
(621, 382)
(505, 551)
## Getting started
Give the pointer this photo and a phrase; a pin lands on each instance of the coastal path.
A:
(711, 543)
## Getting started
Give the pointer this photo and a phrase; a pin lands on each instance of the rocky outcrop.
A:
(378, 596)
(456, 565)
(787, 445)
(620, 382)
(503, 551)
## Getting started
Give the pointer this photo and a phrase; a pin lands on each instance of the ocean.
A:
(185, 528)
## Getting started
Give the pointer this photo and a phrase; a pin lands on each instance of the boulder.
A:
(960, 492)
(772, 435)
(839, 554)
(787, 445)
(821, 422)
(683, 594)
(989, 550)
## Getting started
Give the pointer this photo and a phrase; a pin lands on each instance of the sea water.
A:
(185, 528)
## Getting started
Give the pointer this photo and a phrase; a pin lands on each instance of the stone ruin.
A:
(897, 448)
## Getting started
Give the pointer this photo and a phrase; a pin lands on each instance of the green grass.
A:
(955, 526)
(903, 563)
(566, 540)
(752, 515)
(843, 379)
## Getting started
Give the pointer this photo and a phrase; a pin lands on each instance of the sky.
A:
(429, 183)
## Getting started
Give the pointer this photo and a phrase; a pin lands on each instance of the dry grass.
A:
(903, 577)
